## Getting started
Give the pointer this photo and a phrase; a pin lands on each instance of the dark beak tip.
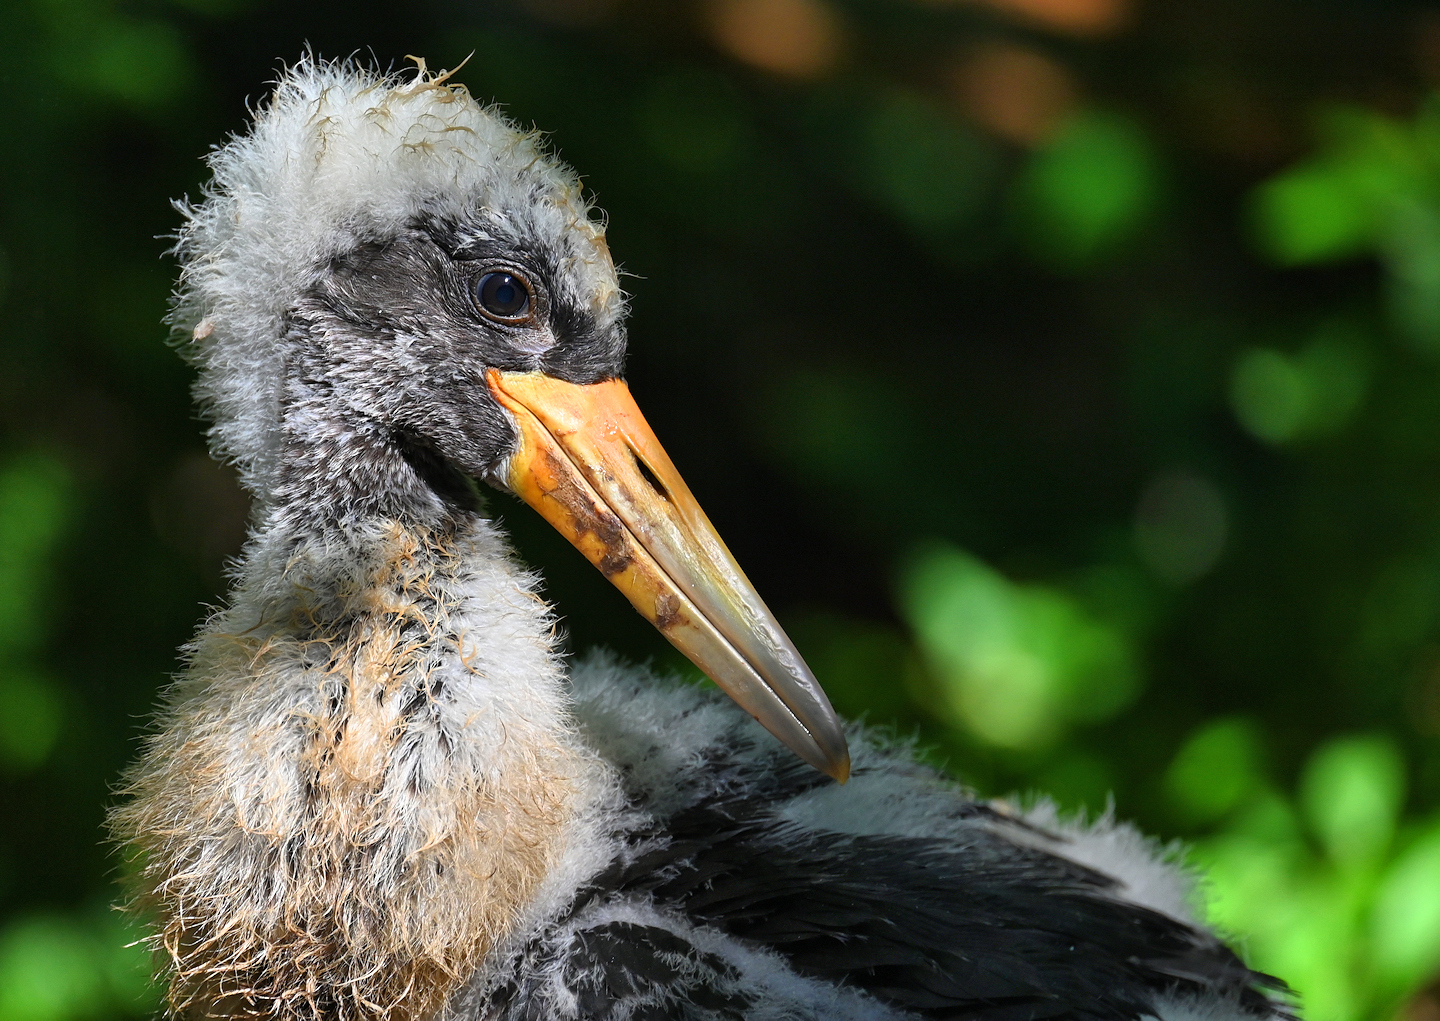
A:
(829, 754)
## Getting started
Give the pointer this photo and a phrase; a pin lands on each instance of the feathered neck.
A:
(363, 778)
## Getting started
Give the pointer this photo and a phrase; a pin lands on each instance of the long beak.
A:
(590, 465)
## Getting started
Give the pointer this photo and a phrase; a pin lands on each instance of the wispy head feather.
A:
(341, 155)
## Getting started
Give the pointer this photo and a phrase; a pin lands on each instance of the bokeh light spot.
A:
(931, 171)
(1351, 790)
(1280, 398)
(1216, 768)
(34, 498)
(47, 971)
(1310, 215)
(1091, 188)
(1180, 526)
(801, 38)
(1412, 251)
(1269, 394)
(1017, 92)
(1018, 663)
(1406, 918)
(144, 65)
(30, 718)
(1082, 18)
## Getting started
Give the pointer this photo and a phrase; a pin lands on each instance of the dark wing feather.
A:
(624, 970)
(984, 928)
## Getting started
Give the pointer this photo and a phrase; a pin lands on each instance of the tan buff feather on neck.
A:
(348, 806)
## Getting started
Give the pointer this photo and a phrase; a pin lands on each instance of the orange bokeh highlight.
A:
(1014, 91)
(797, 38)
(1083, 18)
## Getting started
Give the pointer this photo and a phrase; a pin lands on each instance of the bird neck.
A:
(364, 777)
(338, 461)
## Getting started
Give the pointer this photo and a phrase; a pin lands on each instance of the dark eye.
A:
(503, 295)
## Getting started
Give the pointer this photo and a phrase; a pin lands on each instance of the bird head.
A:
(391, 290)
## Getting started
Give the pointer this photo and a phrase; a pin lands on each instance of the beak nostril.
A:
(648, 474)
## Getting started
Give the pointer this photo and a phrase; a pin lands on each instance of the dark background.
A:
(1066, 374)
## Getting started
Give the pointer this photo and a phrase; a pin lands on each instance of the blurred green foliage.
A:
(1088, 190)
(1373, 187)
(1335, 891)
(1313, 393)
(1016, 665)
(33, 500)
(1072, 393)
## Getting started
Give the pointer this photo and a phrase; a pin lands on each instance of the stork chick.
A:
(376, 792)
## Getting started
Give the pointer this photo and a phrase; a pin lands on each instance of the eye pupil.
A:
(503, 295)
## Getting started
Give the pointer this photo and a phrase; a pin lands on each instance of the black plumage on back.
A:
(992, 927)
